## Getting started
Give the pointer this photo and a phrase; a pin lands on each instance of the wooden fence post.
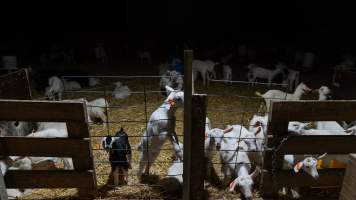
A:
(194, 125)
(3, 193)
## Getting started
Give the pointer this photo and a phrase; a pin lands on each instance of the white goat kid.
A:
(160, 127)
(71, 85)
(93, 81)
(97, 109)
(237, 162)
(227, 72)
(121, 91)
(263, 73)
(172, 79)
(212, 143)
(52, 130)
(292, 80)
(204, 68)
(55, 88)
(280, 95)
(307, 163)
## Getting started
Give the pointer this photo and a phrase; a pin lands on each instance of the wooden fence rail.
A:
(77, 146)
(284, 111)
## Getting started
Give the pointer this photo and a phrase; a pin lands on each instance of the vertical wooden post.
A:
(3, 193)
(80, 130)
(194, 125)
(347, 190)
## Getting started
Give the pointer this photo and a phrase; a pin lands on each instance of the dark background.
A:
(324, 27)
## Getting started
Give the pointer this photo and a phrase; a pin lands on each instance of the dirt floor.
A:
(227, 104)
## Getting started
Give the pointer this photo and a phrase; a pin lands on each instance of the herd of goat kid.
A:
(240, 149)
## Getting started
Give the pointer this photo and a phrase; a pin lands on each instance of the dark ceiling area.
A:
(307, 24)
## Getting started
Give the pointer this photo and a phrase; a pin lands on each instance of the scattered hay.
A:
(223, 109)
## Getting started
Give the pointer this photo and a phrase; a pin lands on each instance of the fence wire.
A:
(224, 108)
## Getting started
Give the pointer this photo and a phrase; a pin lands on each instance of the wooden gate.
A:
(77, 145)
(279, 143)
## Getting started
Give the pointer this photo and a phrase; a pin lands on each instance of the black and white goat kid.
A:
(120, 156)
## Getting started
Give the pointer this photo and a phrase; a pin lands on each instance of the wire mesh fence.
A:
(229, 103)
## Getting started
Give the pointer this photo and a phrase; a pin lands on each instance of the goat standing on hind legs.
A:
(160, 127)
(120, 156)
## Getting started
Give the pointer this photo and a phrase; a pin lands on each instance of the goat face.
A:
(324, 90)
(245, 182)
(175, 98)
(309, 165)
(216, 136)
(250, 140)
(107, 143)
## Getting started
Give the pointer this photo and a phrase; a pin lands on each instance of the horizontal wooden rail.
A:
(318, 144)
(340, 110)
(42, 111)
(49, 179)
(44, 147)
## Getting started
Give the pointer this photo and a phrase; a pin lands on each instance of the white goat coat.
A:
(71, 85)
(203, 68)
(280, 95)
(97, 108)
(160, 127)
(227, 72)
(93, 81)
(56, 86)
(121, 91)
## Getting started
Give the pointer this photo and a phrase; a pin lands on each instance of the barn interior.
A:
(130, 41)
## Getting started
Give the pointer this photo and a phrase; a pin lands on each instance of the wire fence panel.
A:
(229, 103)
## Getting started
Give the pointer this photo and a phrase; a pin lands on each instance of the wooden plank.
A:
(319, 144)
(41, 111)
(349, 184)
(187, 124)
(194, 125)
(267, 187)
(49, 179)
(340, 110)
(327, 178)
(15, 85)
(45, 147)
(267, 161)
(196, 170)
(3, 193)
(77, 130)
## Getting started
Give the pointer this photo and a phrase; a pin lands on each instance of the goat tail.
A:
(258, 94)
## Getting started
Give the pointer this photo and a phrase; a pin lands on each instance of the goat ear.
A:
(255, 173)
(298, 166)
(228, 129)
(321, 156)
(169, 89)
(232, 185)
(258, 130)
(14, 158)
(350, 131)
